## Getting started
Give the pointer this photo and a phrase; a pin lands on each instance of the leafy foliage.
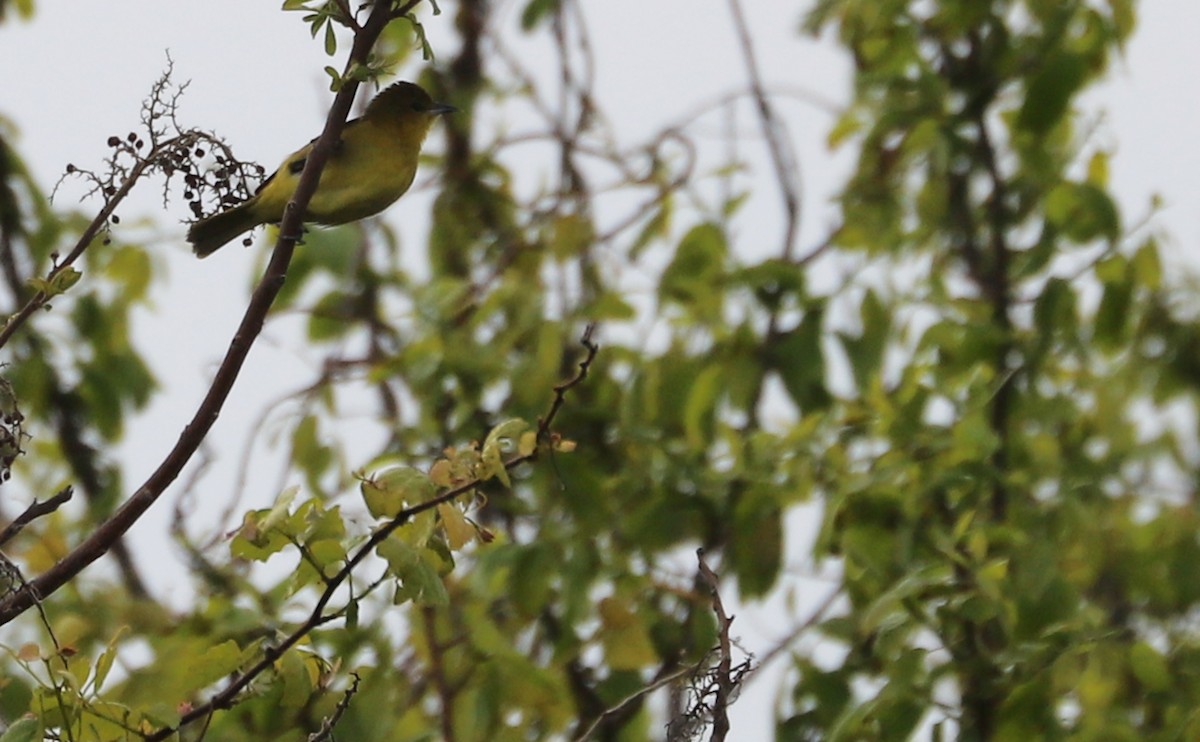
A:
(980, 410)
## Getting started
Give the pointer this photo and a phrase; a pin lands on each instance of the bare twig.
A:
(327, 724)
(39, 299)
(33, 512)
(126, 166)
(560, 390)
(785, 643)
(782, 156)
(639, 693)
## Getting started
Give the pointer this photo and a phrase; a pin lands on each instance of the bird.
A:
(371, 166)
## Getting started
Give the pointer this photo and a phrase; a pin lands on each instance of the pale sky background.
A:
(77, 74)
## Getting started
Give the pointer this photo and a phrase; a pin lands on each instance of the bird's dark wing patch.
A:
(297, 165)
(263, 184)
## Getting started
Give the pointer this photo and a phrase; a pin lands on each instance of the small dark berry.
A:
(113, 141)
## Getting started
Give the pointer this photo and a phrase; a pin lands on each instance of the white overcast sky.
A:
(77, 72)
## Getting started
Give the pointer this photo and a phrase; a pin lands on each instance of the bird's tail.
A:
(211, 233)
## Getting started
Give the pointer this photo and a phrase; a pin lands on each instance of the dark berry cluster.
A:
(11, 432)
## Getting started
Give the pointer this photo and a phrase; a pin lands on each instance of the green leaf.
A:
(700, 409)
(1049, 92)
(331, 317)
(335, 79)
(529, 582)
(571, 235)
(312, 456)
(1150, 667)
(500, 440)
(419, 579)
(281, 509)
(459, 532)
(1054, 310)
(1113, 314)
(866, 351)
(627, 644)
(395, 489)
(535, 11)
(23, 730)
(757, 544)
(1083, 212)
(130, 267)
(330, 40)
(297, 685)
(105, 661)
(212, 664)
(1147, 265)
(890, 606)
(254, 542)
(56, 284)
(504, 434)
(693, 277)
(797, 356)
(15, 696)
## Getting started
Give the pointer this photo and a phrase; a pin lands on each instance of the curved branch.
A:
(102, 539)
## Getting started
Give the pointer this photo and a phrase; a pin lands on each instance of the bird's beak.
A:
(438, 109)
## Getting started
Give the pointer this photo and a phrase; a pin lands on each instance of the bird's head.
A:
(403, 100)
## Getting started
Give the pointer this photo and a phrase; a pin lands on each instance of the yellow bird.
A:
(372, 165)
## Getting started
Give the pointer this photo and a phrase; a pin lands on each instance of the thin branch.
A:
(446, 694)
(227, 696)
(783, 644)
(560, 390)
(351, 21)
(39, 299)
(782, 156)
(783, 159)
(101, 539)
(724, 673)
(327, 724)
(33, 512)
(633, 698)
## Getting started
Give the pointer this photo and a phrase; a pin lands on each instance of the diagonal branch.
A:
(227, 696)
(102, 539)
(33, 512)
(782, 156)
(40, 298)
